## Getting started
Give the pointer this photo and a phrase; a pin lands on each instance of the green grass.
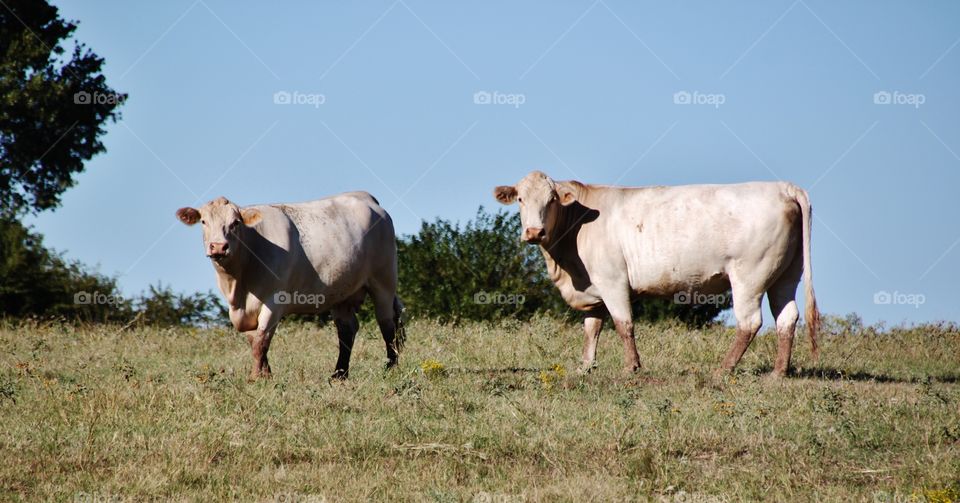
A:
(478, 412)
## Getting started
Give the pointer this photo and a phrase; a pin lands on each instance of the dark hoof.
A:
(339, 375)
(390, 364)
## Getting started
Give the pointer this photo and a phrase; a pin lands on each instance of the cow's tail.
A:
(400, 336)
(812, 314)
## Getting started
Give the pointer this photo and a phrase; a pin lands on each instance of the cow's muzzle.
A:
(534, 234)
(218, 251)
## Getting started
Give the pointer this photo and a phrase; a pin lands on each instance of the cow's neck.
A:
(230, 278)
(560, 252)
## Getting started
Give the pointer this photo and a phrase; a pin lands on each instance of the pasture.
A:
(476, 412)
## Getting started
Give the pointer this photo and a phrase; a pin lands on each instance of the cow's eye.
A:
(520, 200)
(203, 222)
(234, 224)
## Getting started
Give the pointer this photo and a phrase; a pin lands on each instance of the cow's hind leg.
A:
(345, 319)
(387, 308)
(783, 306)
(746, 307)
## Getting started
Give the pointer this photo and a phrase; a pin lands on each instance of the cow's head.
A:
(223, 224)
(540, 199)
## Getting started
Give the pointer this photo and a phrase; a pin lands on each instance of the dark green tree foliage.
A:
(697, 315)
(52, 108)
(161, 306)
(36, 282)
(479, 272)
(484, 272)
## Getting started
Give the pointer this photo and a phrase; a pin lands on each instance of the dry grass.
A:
(474, 413)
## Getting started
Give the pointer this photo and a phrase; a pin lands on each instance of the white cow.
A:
(605, 245)
(311, 257)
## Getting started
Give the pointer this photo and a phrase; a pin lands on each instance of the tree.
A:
(35, 281)
(38, 282)
(479, 272)
(52, 110)
(161, 306)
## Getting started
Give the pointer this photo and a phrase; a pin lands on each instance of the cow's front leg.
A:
(259, 346)
(259, 340)
(592, 325)
(347, 327)
(617, 303)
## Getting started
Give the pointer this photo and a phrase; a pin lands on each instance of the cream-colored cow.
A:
(605, 245)
(312, 257)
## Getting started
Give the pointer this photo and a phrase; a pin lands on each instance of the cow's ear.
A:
(506, 194)
(188, 216)
(250, 216)
(565, 195)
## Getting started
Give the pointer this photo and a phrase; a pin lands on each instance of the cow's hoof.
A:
(630, 370)
(777, 376)
(721, 377)
(256, 376)
(339, 375)
(585, 369)
(390, 364)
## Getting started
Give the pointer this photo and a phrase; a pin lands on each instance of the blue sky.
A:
(387, 94)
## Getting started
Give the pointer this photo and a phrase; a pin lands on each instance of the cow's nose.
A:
(533, 234)
(219, 248)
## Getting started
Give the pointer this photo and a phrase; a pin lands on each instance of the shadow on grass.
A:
(835, 374)
(821, 373)
(505, 370)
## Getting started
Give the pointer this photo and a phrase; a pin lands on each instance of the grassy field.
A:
(476, 412)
